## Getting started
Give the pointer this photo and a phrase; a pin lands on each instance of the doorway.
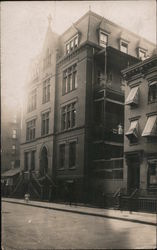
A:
(133, 173)
(44, 162)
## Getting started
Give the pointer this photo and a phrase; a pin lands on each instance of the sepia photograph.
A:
(78, 125)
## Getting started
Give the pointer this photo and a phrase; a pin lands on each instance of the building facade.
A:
(140, 143)
(74, 118)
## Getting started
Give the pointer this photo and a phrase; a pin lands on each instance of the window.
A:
(33, 160)
(32, 101)
(132, 98)
(152, 93)
(72, 154)
(46, 91)
(15, 118)
(14, 136)
(45, 124)
(124, 47)
(132, 133)
(30, 130)
(12, 164)
(47, 59)
(69, 80)
(103, 39)
(26, 155)
(150, 129)
(13, 149)
(72, 44)
(142, 54)
(61, 156)
(68, 116)
(152, 173)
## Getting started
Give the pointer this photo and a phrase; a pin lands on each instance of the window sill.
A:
(69, 92)
(68, 129)
(60, 169)
(72, 168)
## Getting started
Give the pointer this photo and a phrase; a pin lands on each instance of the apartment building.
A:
(140, 143)
(74, 118)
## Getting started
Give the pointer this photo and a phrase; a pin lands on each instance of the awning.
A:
(153, 83)
(151, 126)
(133, 130)
(11, 172)
(133, 96)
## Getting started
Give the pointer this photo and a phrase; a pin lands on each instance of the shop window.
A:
(45, 123)
(72, 154)
(132, 133)
(133, 97)
(30, 130)
(152, 173)
(103, 39)
(46, 91)
(61, 156)
(68, 116)
(152, 92)
(150, 129)
(69, 80)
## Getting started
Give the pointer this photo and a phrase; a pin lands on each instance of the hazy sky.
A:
(24, 24)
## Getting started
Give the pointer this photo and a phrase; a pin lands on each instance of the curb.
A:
(84, 213)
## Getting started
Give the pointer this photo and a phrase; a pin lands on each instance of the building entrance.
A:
(43, 162)
(133, 174)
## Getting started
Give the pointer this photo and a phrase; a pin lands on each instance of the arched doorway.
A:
(43, 162)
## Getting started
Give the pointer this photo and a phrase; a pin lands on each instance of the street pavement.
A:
(145, 218)
(35, 226)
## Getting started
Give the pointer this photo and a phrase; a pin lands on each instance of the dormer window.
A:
(72, 44)
(103, 39)
(142, 54)
(124, 46)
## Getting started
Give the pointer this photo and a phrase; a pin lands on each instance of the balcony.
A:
(109, 135)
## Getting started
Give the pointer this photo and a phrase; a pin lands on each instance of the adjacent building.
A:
(10, 143)
(73, 121)
(140, 143)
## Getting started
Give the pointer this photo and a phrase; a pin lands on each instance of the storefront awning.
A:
(151, 126)
(11, 173)
(133, 130)
(133, 96)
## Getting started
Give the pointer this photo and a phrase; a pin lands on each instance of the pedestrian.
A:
(27, 197)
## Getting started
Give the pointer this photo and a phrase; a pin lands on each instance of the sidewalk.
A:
(136, 217)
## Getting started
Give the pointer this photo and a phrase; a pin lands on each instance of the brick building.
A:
(140, 144)
(73, 123)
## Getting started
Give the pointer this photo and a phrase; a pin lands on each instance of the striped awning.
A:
(133, 96)
(151, 126)
(133, 129)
